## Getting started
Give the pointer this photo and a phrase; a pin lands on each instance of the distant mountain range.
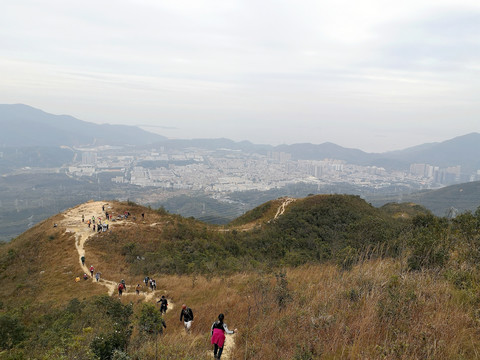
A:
(463, 150)
(25, 126)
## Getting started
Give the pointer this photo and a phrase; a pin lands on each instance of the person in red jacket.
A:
(92, 269)
(120, 289)
(219, 328)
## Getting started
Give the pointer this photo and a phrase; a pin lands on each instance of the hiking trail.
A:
(281, 209)
(73, 224)
(228, 347)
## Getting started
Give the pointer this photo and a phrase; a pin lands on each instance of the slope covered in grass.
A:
(331, 278)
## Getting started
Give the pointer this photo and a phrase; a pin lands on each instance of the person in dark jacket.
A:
(163, 304)
(219, 329)
(187, 315)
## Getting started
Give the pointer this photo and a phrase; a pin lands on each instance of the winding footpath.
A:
(281, 209)
(73, 224)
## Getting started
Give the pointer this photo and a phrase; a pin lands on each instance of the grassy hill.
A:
(328, 277)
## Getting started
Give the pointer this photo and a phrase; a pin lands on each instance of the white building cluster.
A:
(226, 170)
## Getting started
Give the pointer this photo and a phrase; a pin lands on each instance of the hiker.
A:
(154, 285)
(97, 276)
(219, 328)
(146, 280)
(77, 279)
(137, 289)
(163, 304)
(93, 227)
(120, 289)
(92, 269)
(164, 325)
(83, 260)
(124, 285)
(187, 315)
(103, 207)
(85, 276)
(83, 218)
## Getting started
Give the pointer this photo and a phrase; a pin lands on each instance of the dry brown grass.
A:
(375, 311)
(44, 268)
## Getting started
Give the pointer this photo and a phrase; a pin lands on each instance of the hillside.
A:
(462, 150)
(325, 276)
(462, 197)
(25, 126)
(446, 201)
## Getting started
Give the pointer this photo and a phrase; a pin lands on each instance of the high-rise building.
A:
(89, 158)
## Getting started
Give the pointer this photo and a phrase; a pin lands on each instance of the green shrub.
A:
(12, 332)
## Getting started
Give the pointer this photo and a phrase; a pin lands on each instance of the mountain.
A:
(25, 126)
(216, 144)
(325, 151)
(456, 198)
(462, 150)
(285, 273)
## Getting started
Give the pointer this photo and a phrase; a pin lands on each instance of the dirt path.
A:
(229, 346)
(281, 209)
(73, 224)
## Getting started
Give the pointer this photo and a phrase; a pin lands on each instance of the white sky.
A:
(374, 74)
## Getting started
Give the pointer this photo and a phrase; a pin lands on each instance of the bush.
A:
(429, 243)
(119, 355)
(12, 332)
(150, 320)
(104, 345)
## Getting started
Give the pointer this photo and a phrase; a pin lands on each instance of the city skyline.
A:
(370, 75)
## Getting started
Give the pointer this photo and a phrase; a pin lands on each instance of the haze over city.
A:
(372, 75)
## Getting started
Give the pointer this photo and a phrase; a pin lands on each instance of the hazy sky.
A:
(375, 75)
